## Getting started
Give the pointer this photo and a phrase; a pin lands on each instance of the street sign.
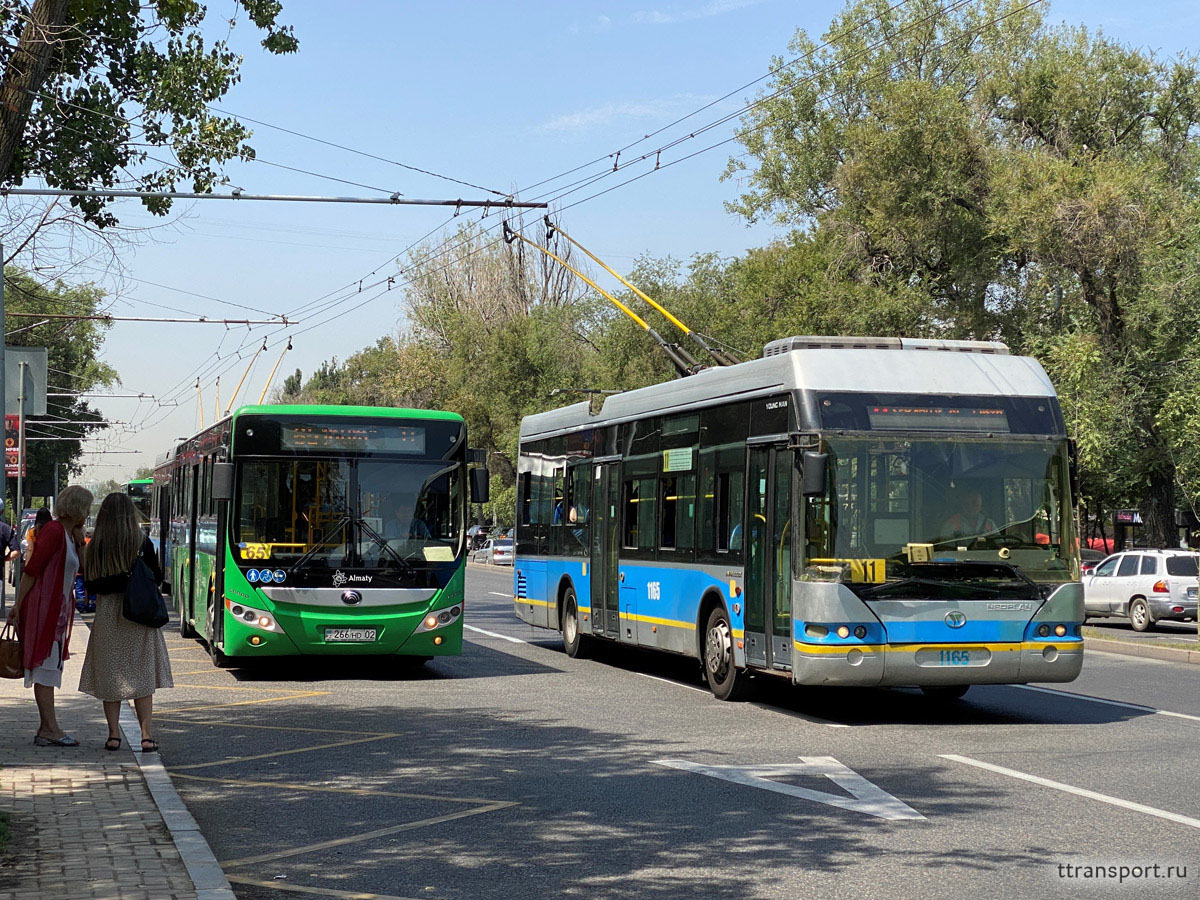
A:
(1128, 517)
(12, 446)
(35, 379)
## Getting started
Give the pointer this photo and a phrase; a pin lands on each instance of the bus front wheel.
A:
(724, 679)
(575, 642)
(219, 659)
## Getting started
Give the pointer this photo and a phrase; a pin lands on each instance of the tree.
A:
(1019, 182)
(73, 356)
(92, 91)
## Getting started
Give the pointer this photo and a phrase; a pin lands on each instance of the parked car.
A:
(1148, 586)
(477, 535)
(494, 553)
(1088, 560)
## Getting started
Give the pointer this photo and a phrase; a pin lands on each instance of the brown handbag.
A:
(10, 654)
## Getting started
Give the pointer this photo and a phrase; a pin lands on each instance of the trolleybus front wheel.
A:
(724, 679)
(574, 641)
(219, 659)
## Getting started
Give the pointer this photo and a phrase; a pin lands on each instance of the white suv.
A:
(1145, 585)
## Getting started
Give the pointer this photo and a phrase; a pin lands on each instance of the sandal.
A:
(149, 745)
(113, 744)
(67, 740)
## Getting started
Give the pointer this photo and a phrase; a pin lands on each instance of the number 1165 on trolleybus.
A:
(842, 511)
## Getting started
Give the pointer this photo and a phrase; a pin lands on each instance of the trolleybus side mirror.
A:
(814, 474)
(222, 481)
(480, 486)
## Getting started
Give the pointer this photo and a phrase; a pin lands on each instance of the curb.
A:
(208, 878)
(1128, 648)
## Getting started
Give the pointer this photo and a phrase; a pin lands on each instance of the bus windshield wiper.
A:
(312, 551)
(382, 542)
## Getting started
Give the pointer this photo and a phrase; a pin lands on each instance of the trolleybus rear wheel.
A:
(724, 679)
(945, 691)
(574, 641)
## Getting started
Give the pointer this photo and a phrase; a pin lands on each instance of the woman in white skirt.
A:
(125, 660)
(45, 609)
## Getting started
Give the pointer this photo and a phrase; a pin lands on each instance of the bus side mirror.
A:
(222, 481)
(814, 478)
(480, 486)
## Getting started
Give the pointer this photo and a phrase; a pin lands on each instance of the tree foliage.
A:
(1020, 182)
(93, 91)
(73, 357)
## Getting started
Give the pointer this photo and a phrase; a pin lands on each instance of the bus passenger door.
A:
(605, 522)
(767, 598)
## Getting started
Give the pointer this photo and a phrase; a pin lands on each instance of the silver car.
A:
(1145, 585)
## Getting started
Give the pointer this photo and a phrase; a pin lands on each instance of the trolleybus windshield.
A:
(917, 511)
(327, 514)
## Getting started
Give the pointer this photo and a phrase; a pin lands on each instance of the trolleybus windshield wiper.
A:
(312, 551)
(889, 586)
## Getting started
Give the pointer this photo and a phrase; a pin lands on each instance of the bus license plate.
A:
(935, 657)
(349, 635)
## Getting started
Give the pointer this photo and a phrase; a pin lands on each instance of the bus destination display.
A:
(937, 418)
(333, 438)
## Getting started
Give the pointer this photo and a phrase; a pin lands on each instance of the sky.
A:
(501, 96)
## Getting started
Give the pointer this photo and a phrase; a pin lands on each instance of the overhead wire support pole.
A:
(680, 359)
(723, 358)
(393, 200)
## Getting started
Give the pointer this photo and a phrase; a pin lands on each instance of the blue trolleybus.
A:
(842, 511)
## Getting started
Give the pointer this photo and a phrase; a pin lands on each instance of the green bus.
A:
(139, 490)
(288, 530)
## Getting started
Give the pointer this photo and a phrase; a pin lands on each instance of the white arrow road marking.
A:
(865, 797)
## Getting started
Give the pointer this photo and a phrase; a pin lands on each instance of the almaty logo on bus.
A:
(340, 578)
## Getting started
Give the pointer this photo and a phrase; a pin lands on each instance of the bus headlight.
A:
(1060, 630)
(257, 618)
(439, 619)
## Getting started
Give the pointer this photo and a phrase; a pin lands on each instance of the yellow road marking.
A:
(172, 709)
(365, 836)
(238, 687)
(230, 760)
(325, 789)
(207, 671)
(324, 892)
(295, 728)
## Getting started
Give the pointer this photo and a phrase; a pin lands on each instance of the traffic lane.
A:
(598, 813)
(1150, 684)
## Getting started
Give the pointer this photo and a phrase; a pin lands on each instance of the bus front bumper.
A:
(937, 664)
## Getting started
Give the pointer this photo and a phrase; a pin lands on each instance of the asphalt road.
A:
(1164, 632)
(516, 772)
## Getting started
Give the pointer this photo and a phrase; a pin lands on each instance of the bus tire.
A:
(185, 627)
(722, 675)
(219, 659)
(945, 691)
(575, 642)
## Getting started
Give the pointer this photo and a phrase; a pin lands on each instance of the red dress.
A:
(44, 603)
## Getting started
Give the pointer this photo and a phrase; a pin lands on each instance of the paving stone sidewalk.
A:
(83, 824)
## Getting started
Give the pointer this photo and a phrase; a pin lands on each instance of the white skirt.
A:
(49, 673)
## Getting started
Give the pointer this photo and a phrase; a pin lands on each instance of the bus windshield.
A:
(316, 514)
(908, 517)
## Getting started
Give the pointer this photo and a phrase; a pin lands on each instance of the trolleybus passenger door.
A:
(605, 524)
(767, 599)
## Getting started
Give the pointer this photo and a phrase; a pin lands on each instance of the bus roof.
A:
(370, 412)
(891, 366)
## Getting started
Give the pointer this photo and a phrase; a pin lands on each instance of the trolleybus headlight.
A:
(264, 622)
(1043, 630)
(444, 617)
(843, 631)
(431, 622)
(455, 611)
(1060, 630)
(237, 610)
(860, 631)
(249, 615)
